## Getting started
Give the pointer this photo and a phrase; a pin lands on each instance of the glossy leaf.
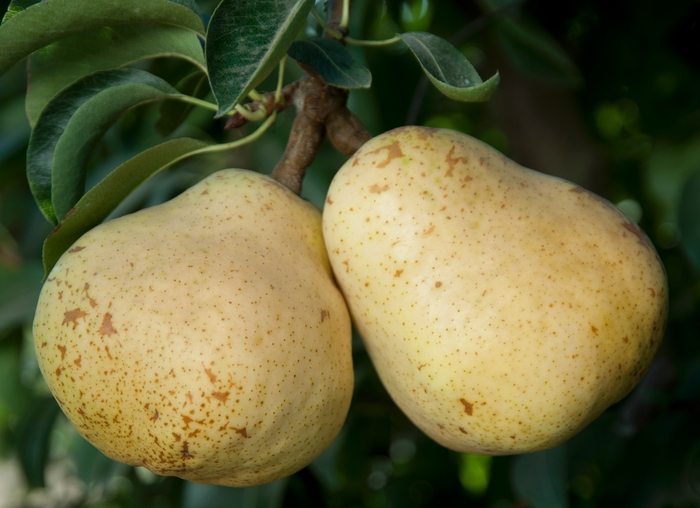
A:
(536, 53)
(41, 24)
(689, 219)
(63, 62)
(15, 7)
(173, 113)
(190, 4)
(448, 69)
(331, 61)
(246, 39)
(103, 198)
(34, 431)
(55, 117)
(540, 478)
(84, 131)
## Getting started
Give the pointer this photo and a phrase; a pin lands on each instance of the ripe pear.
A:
(202, 338)
(503, 309)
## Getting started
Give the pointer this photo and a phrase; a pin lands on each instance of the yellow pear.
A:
(503, 309)
(203, 338)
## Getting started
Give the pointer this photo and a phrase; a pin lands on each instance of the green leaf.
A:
(448, 69)
(41, 24)
(34, 431)
(15, 7)
(536, 53)
(331, 61)
(19, 292)
(103, 198)
(62, 63)
(190, 4)
(84, 131)
(689, 219)
(55, 117)
(540, 478)
(246, 39)
(173, 113)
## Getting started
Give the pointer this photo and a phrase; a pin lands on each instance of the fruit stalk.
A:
(321, 110)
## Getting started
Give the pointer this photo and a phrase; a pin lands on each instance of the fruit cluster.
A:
(209, 337)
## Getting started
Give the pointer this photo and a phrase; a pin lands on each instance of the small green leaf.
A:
(331, 61)
(540, 478)
(84, 131)
(536, 53)
(53, 121)
(34, 432)
(63, 62)
(41, 24)
(246, 39)
(190, 4)
(15, 7)
(448, 69)
(173, 113)
(96, 205)
(688, 219)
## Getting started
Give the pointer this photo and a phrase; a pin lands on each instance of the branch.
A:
(321, 110)
(268, 103)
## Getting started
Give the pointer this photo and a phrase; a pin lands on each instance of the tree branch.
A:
(321, 109)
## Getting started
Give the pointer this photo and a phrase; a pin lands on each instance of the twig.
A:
(269, 102)
(321, 110)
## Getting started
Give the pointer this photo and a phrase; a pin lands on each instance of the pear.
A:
(503, 309)
(202, 338)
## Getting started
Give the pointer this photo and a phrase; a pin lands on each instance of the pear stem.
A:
(321, 110)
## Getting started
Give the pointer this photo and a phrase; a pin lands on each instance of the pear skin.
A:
(502, 308)
(202, 338)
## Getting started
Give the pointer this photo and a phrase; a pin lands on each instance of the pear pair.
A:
(206, 337)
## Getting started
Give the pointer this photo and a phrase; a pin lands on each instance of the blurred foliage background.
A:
(603, 93)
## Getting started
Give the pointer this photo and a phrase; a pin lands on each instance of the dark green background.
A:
(620, 115)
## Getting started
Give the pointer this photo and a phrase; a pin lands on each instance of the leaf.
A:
(688, 222)
(41, 24)
(84, 131)
(535, 52)
(34, 431)
(19, 292)
(190, 4)
(539, 478)
(103, 198)
(63, 62)
(15, 7)
(448, 69)
(246, 39)
(55, 117)
(173, 113)
(331, 61)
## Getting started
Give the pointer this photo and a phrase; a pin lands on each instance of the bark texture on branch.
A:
(321, 110)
